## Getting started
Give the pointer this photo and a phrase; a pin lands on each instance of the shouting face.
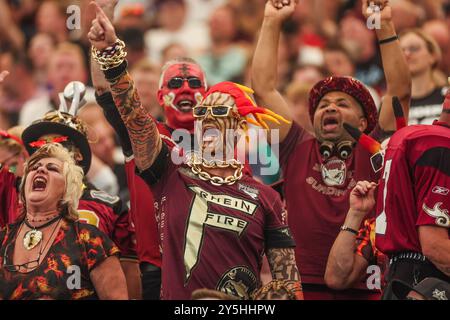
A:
(45, 184)
(182, 87)
(217, 126)
(333, 110)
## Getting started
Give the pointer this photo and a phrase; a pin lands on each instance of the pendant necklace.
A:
(34, 236)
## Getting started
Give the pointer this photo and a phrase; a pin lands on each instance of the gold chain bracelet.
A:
(110, 57)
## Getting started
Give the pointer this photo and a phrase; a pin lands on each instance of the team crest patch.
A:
(103, 196)
(439, 295)
(334, 173)
(252, 192)
(441, 214)
(239, 282)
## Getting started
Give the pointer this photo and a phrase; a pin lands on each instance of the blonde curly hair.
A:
(73, 175)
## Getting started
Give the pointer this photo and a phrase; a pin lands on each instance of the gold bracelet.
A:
(110, 57)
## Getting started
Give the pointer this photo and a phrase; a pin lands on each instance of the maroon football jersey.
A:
(317, 197)
(8, 197)
(105, 212)
(142, 215)
(414, 189)
(215, 236)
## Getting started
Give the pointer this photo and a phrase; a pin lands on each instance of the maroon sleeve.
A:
(8, 197)
(143, 217)
(432, 181)
(124, 236)
(277, 233)
(296, 135)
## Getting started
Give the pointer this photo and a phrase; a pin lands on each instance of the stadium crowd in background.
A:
(283, 49)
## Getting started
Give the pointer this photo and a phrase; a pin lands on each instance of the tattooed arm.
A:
(142, 130)
(286, 283)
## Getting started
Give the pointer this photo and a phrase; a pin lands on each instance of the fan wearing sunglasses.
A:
(215, 222)
(181, 88)
(182, 85)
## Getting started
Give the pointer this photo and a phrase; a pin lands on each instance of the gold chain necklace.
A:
(196, 167)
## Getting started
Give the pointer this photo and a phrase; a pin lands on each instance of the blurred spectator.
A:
(65, 65)
(40, 50)
(136, 49)
(103, 146)
(406, 15)
(199, 11)
(9, 32)
(249, 15)
(225, 60)
(423, 56)
(172, 52)
(297, 94)
(51, 18)
(172, 27)
(338, 60)
(12, 152)
(440, 32)
(362, 44)
(146, 78)
(19, 86)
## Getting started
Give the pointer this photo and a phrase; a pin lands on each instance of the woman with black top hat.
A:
(47, 253)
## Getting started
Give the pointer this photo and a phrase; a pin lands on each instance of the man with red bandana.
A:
(320, 170)
(181, 87)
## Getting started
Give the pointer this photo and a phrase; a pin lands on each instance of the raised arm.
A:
(264, 65)
(345, 267)
(142, 130)
(396, 70)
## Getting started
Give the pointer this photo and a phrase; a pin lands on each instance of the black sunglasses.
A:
(177, 82)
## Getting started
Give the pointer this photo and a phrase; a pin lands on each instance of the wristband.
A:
(345, 228)
(387, 40)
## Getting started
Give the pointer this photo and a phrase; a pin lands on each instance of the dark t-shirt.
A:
(78, 247)
(427, 109)
(414, 190)
(317, 197)
(215, 236)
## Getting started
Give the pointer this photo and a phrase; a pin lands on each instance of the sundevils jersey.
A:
(414, 190)
(215, 236)
(317, 197)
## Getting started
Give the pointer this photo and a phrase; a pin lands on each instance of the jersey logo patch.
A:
(252, 192)
(334, 173)
(440, 190)
(103, 196)
(239, 282)
(441, 215)
(439, 295)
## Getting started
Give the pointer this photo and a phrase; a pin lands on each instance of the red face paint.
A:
(179, 101)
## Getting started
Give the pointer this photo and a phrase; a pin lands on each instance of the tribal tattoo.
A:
(141, 127)
(282, 264)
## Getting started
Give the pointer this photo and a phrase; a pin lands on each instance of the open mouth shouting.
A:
(39, 183)
(330, 123)
(185, 105)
